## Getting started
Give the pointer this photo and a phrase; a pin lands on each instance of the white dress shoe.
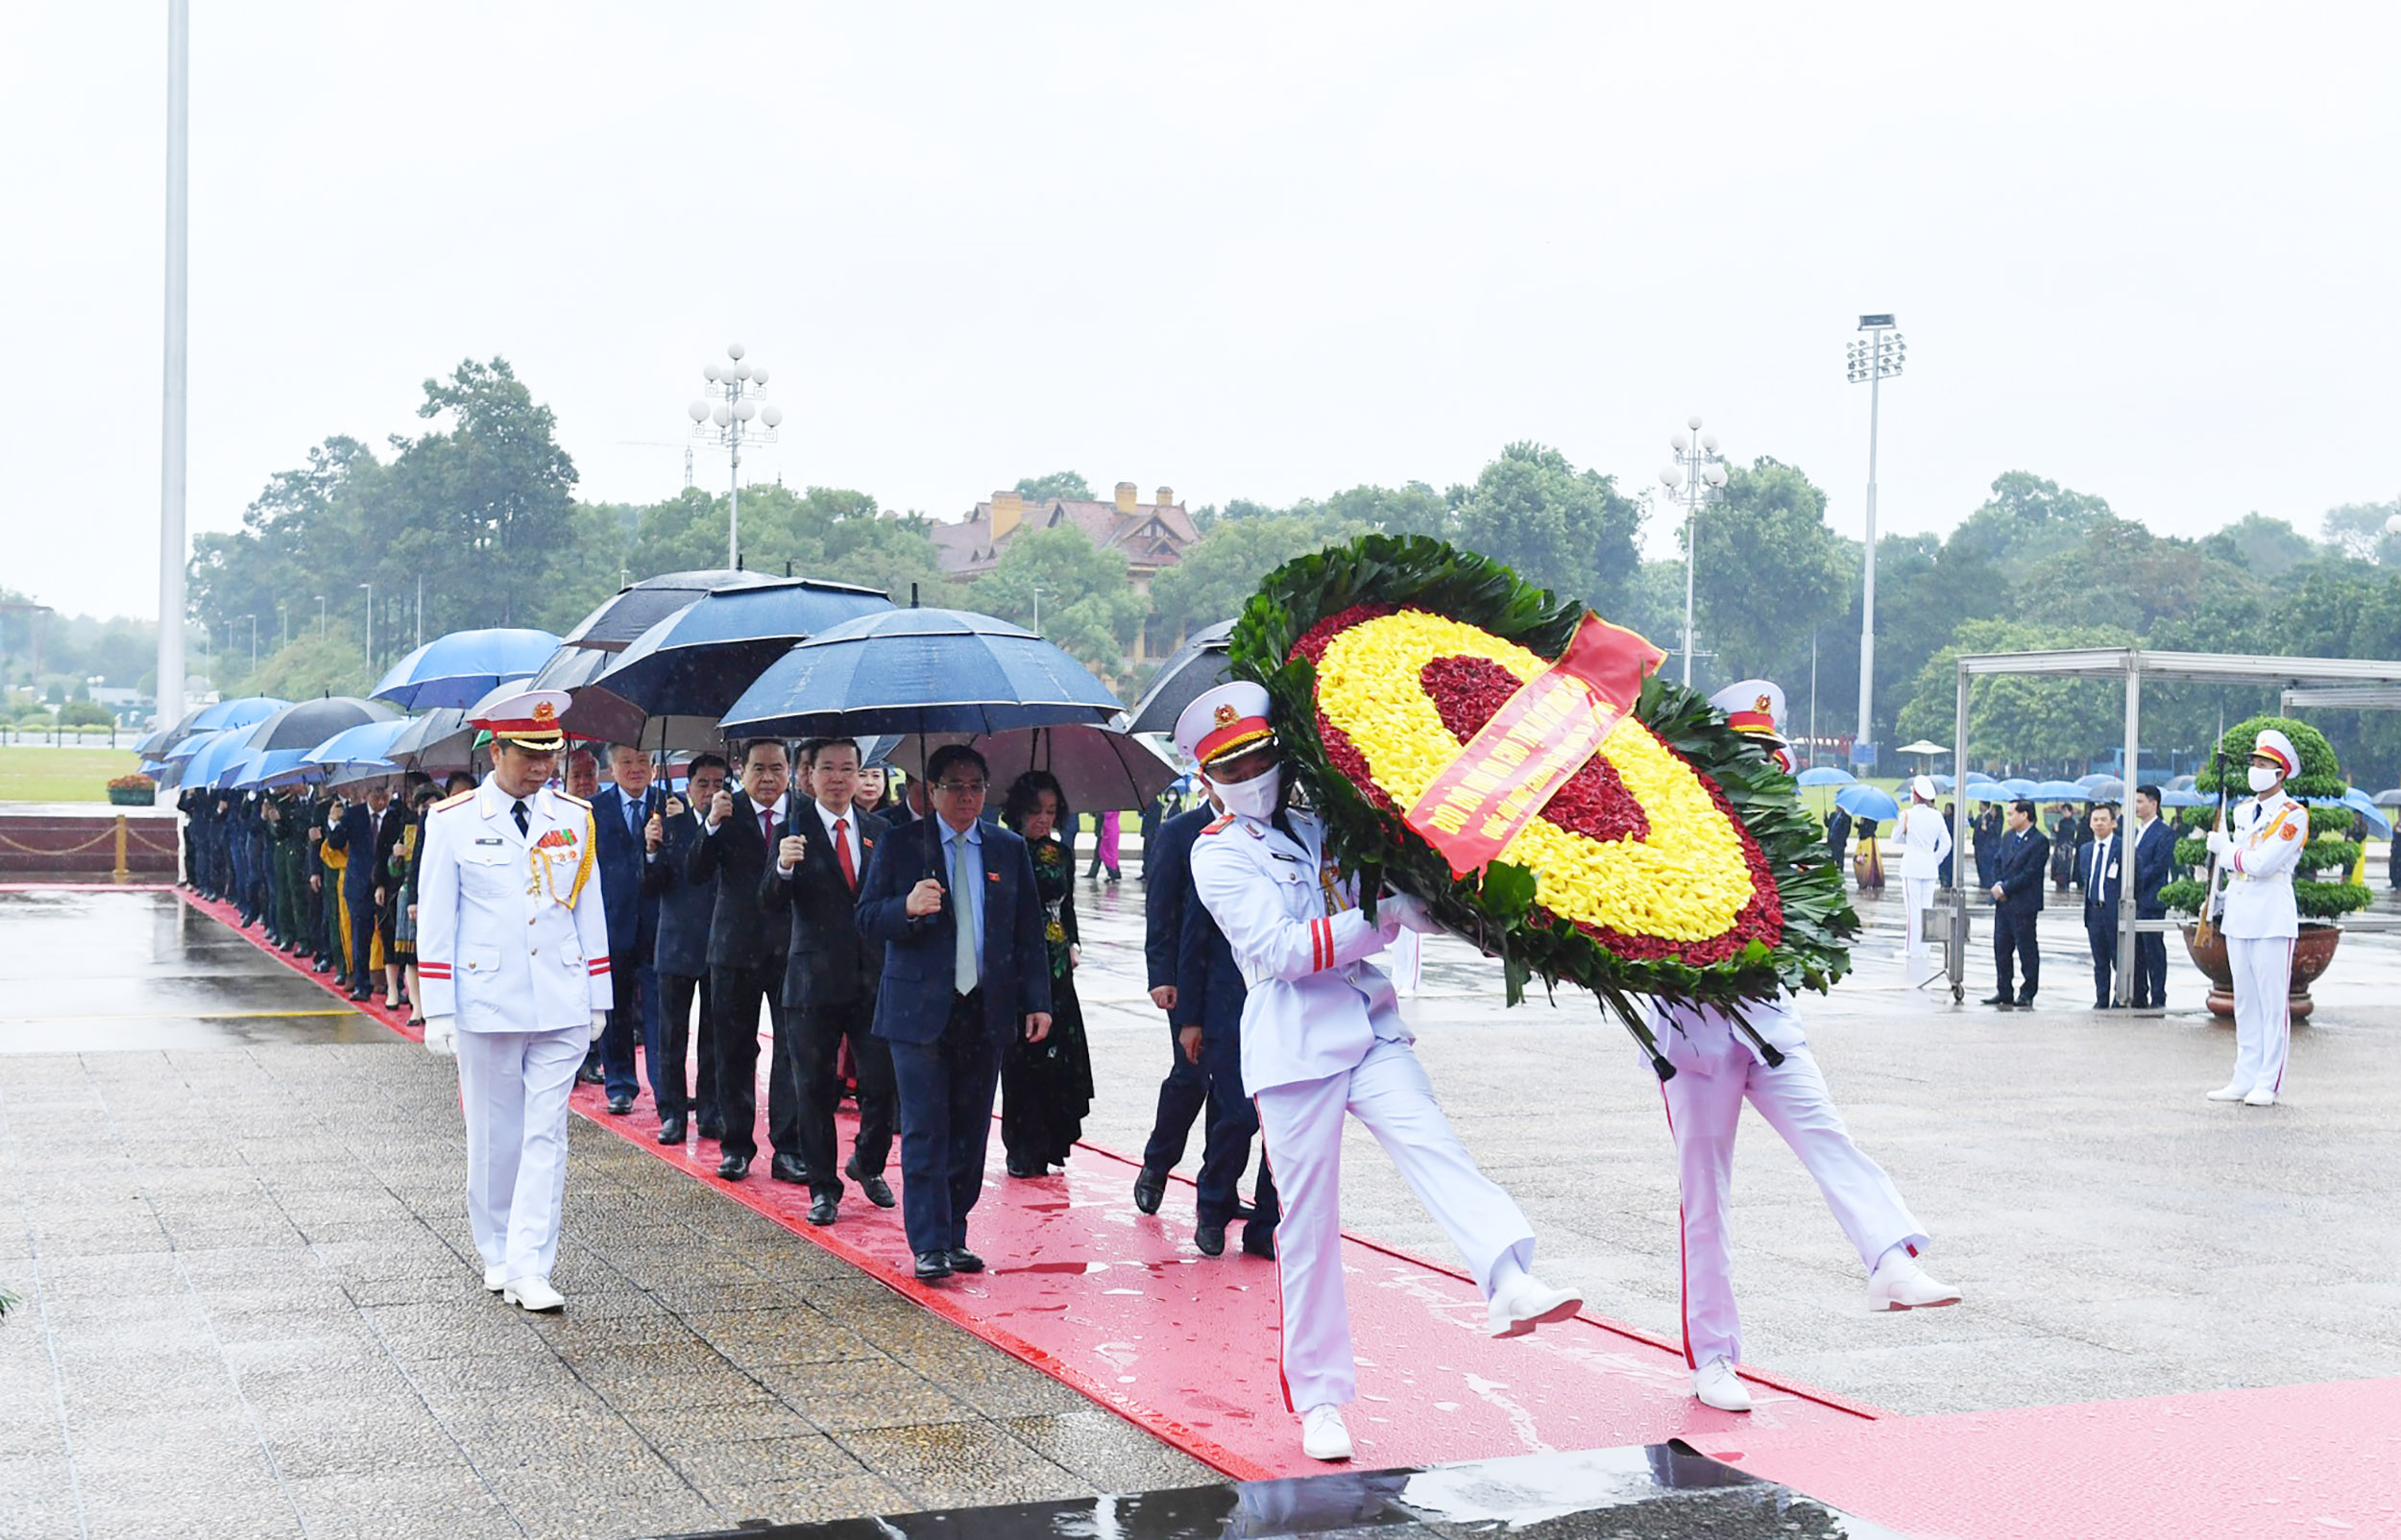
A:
(533, 1294)
(1717, 1384)
(2230, 1092)
(2260, 1097)
(495, 1279)
(1322, 1436)
(1900, 1283)
(1526, 1301)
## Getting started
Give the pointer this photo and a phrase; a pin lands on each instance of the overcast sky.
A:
(1244, 251)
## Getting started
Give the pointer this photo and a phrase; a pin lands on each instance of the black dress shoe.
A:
(1019, 1167)
(1210, 1239)
(709, 1128)
(932, 1266)
(589, 1075)
(358, 994)
(619, 1106)
(964, 1260)
(734, 1168)
(1261, 1243)
(2001, 1000)
(1149, 1190)
(671, 1129)
(788, 1169)
(2025, 1002)
(824, 1209)
(879, 1192)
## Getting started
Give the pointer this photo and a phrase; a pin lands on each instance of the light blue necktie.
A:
(964, 974)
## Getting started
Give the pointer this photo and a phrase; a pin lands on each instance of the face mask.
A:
(1254, 798)
(2262, 777)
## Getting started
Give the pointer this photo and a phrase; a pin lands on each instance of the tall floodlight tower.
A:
(1875, 356)
(1696, 478)
(725, 423)
(170, 686)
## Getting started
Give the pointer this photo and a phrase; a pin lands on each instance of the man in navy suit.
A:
(681, 959)
(1166, 897)
(627, 826)
(365, 835)
(746, 947)
(965, 964)
(1209, 997)
(2101, 874)
(2154, 863)
(2020, 860)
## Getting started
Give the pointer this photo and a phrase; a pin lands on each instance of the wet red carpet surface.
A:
(1123, 1308)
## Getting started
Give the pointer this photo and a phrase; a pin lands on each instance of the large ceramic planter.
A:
(131, 797)
(2311, 954)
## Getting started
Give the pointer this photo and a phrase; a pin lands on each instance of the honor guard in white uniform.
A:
(1322, 1035)
(1923, 839)
(2260, 923)
(513, 950)
(1718, 1067)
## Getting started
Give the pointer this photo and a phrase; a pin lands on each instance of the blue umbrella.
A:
(358, 751)
(2092, 782)
(201, 768)
(1977, 777)
(2018, 786)
(919, 671)
(1944, 784)
(2361, 803)
(241, 712)
(2059, 791)
(188, 747)
(460, 668)
(2179, 797)
(1990, 791)
(272, 767)
(1862, 801)
(1826, 775)
(698, 660)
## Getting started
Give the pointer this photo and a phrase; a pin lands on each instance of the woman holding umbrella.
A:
(1046, 1087)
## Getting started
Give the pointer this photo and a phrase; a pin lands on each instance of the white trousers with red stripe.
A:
(1302, 1126)
(513, 1087)
(1704, 1105)
(2262, 1010)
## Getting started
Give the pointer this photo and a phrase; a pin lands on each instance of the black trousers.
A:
(2013, 939)
(2101, 933)
(675, 1041)
(1181, 1096)
(818, 1034)
(736, 994)
(946, 1090)
(1233, 1118)
(362, 936)
(2150, 962)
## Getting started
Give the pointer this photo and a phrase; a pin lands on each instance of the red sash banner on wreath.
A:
(1516, 762)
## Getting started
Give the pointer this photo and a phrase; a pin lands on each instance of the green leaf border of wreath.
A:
(1415, 571)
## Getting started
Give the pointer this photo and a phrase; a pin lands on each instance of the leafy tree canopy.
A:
(1084, 600)
(1057, 483)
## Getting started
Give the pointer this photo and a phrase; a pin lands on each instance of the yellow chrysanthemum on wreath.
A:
(1686, 879)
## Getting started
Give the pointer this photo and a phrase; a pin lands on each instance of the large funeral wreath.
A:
(1676, 862)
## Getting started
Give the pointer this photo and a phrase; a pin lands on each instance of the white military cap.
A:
(1224, 721)
(1755, 707)
(2279, 748)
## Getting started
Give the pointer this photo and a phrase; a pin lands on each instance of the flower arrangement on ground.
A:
(1515, 761)
(2329, 847)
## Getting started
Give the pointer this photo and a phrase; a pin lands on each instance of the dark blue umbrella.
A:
(698, 660)
(458, 669)
(200, 769)
(305, 724)
(633, 610)
(919, 671)
(241, 712)
(1200, 664)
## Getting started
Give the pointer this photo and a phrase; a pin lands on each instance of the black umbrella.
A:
(304, 724)
(698, 660)
(438, 740)
(633, 611)
(1200, 666)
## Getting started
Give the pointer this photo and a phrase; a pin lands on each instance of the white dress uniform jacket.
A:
(1922, 836)
(496, 948)
(2268, 840)
(1717, 1069)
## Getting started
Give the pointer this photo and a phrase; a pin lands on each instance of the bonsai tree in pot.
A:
(2329, 849)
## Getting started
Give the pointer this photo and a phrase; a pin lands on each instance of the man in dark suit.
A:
(2154, 865)
(1166, 895)
(830, 981)
(1209, 997)
(2022, 857)
(681, 956)
(965, 966)
(622, 822)
(746, 947)
(2100, 872)
(365, 835)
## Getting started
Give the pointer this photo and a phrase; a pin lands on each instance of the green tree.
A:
(1057, 483)
(2355, 530)
(306, 666)
(1567, 529)
(2015, 721)
(1087, 603)
(1221, 570)
(1768, 572)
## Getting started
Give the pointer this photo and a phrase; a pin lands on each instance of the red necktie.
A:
(767, 827)
(850, 873)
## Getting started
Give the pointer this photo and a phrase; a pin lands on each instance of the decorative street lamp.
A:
(1696, 477)
(1875, 358)
(725, 423)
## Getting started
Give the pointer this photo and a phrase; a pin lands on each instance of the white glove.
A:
(1395, 912)
(2221, 843)
(599, 1024)
(442, 1036)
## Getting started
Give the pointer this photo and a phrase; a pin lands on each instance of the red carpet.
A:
(1125, 1308)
